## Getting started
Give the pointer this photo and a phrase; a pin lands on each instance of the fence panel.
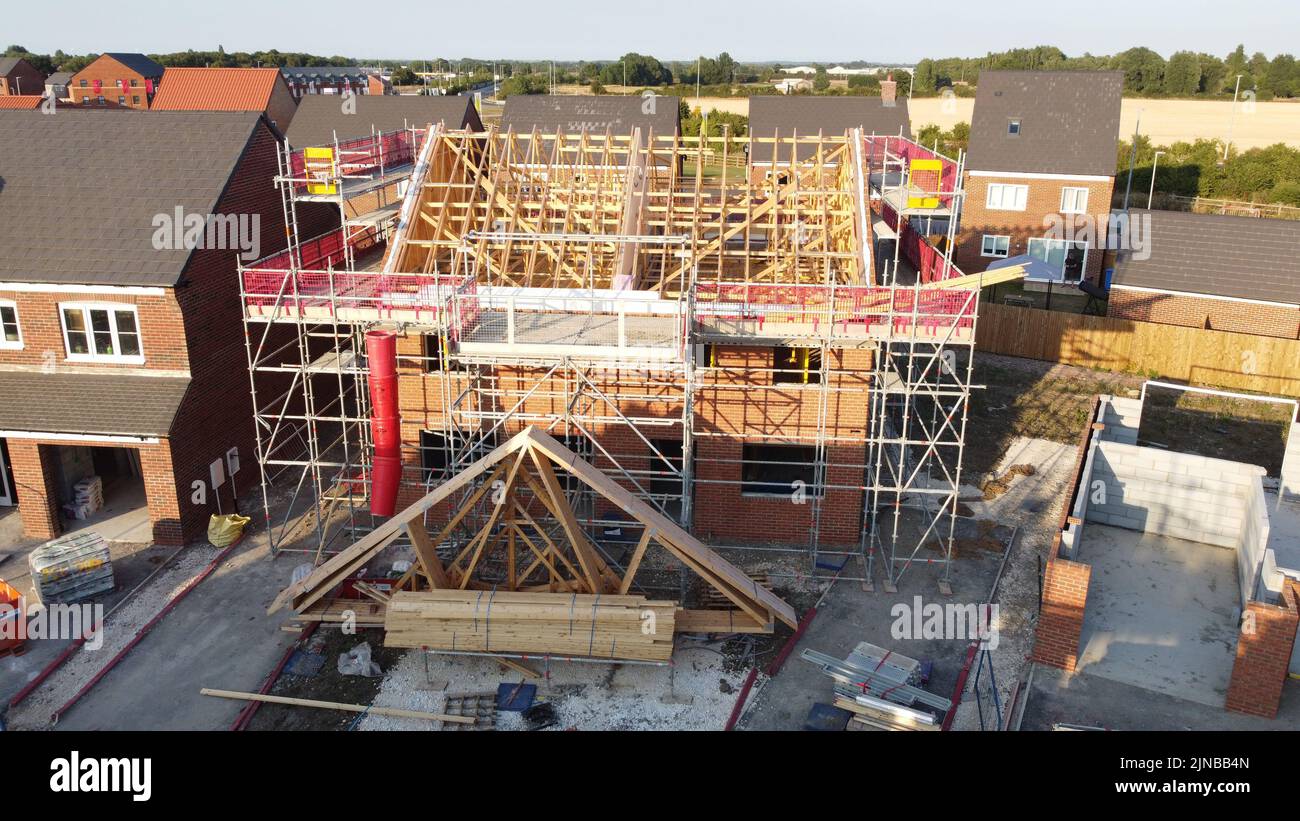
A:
(1238, 361)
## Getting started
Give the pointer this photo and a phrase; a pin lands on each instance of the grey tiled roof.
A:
(1069, 122)
(1241, 257)
(320, 115)
(138, 63)
(7, 64)
(832, 116)
(79, 190)
(617, 114)
(110, 404)
(59, 78)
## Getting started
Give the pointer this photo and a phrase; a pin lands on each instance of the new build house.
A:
(261, 90)
(320, 120)
(1223, 273)
(1042, 151)
(117, 79)
(307, 80)
(121, 353)
(596, 115)
(17, 76)
(806, 116)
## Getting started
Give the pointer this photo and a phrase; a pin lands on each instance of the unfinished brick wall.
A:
(1205, 312)
(1264, 647)
(1060, 621)
(1044, 198)
(36, 488)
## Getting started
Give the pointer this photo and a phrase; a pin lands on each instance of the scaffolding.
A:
(594, 286)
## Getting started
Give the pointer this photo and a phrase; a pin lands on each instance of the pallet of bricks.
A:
(556, 624)
(881, 689)
(72, 568)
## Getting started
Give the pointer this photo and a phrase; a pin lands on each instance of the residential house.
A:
(121, 342)
(17, 76)
(1239, 274)
(57, 85)
(228, 89)
(129, 80)
(1041, 156)
(598, 114)
(306, 80)
(808, 116)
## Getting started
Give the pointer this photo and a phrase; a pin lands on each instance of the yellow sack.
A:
(223, 531)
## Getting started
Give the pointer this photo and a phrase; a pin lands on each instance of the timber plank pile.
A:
(564, 624)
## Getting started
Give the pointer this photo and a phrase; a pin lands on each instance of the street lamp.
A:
(1154, 164)
(1132, 159)
(1231, 118)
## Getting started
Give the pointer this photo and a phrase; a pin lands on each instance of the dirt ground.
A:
(1043, 400)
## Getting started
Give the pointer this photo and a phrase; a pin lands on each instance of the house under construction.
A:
(749, 351)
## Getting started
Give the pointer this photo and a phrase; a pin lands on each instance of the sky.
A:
(756, 30)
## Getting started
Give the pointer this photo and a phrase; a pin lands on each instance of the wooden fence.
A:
(1263, 364)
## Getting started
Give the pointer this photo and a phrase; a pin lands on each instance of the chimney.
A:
(889, 91)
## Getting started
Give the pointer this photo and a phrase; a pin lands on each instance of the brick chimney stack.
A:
(889, 91)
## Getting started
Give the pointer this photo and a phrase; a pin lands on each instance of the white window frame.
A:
(6, 345)
(1080, 193)
(112, 308)
(995, 254)
(1002, 189)
(1060, 276)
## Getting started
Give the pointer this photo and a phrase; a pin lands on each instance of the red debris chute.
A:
(385, 422)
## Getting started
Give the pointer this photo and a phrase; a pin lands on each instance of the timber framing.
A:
(512, 551)
(636, 211)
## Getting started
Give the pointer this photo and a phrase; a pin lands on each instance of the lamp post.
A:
(1152, 193)
(1232, 116)
(1132, 159)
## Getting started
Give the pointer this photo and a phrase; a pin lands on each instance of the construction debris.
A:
(881, 688)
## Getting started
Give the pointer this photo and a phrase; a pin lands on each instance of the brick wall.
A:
(35, 487)
(217, 413)
(1044, 198)
(1264, 648)
(109, 72)
(1205, 312)
(160, 324)
(733, 407)
(1060, 619)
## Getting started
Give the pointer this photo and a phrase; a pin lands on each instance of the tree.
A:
(641, 69)
(404, 77)
(1143, 70)
(926, 79)
(1182, 74)
(821, 80)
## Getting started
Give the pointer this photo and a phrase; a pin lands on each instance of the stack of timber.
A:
(557, 624)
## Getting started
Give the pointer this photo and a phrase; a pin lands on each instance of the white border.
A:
(1200, 295)
(4, 344)
(59, 288)
(1025, 175)
(80, 437)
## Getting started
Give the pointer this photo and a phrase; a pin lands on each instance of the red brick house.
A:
(306, 80)
(17, 76)
(121, 346)
(1042, 148)
(1238, 274)
(128, 80)
(228, 89)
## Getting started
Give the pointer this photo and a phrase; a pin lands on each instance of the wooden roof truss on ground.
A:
(526, 539)
(522, 210)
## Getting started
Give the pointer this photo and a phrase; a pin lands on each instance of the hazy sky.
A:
(807, 30)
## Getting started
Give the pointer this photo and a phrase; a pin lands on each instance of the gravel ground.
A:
(34, 712)
(695, 693)
(1031, 504)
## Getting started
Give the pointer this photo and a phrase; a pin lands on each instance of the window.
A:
(83, 83)
(772, 470)
(436, 359)
(101, 332)
(11, 336)
(797, 365)
(1013, 128)
(1074, 200)
(135, 83)
(101, 99)
(1003, 197)
(1068, 259)
(121, 100)
(995, 246)
(135, 98)
(434, 456)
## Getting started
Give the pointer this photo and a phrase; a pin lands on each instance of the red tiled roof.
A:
(21, 101)
(216, 89)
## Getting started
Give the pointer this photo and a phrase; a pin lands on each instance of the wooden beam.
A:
(636, 560)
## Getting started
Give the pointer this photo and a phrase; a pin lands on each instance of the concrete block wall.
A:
(1172, 494)
(1291, 464)
(1257, 572)
(1122, 418)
